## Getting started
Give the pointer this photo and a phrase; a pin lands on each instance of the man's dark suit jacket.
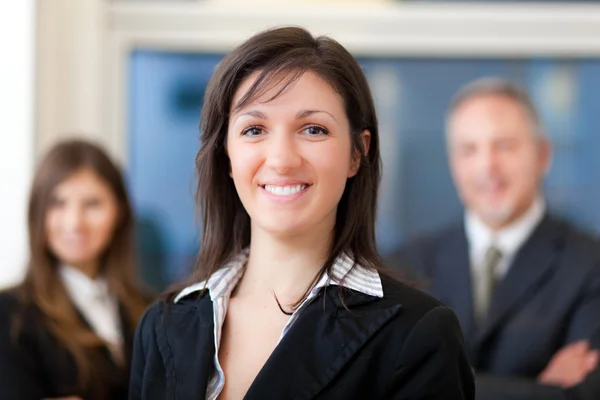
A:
(403, 346)
(34, 365)
(549, 298)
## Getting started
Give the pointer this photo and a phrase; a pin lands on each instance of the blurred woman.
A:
(66, 331)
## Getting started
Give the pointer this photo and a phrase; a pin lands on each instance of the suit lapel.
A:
(530, 268)
(186, 342)
(319, 344)
(452, 280)
(127, 334)
(104, 350)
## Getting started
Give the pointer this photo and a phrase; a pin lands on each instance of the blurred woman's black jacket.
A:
(34, 365)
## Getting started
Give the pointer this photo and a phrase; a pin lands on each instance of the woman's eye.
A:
(315, 130)
(252, 131)
(56, 202)
(92, 203)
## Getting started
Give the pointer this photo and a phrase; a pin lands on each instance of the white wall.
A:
(69, 78)
(17, 30)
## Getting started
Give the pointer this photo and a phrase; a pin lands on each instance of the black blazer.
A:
(403, 346)
(35, 365)
(549, 298)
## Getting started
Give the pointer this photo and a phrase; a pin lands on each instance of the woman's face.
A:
(81, 219)
(291, 156)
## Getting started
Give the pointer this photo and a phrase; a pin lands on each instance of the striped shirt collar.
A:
(360, 279)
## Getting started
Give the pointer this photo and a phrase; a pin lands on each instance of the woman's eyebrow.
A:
(253, 113)
(307, 113)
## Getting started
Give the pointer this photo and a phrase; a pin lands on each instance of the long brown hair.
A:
(43, 287)
(282, 56)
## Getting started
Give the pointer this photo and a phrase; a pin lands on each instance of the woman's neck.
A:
(283, 266)
(90, 269)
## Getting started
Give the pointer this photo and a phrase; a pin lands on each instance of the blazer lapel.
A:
(104, 350)
(186, 342)
(127, 333)
(452, 279)
(532, 265)
(319, 344)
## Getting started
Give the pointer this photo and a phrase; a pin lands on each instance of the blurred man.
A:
(524, 284)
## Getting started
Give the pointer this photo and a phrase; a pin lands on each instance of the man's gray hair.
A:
(496, 86)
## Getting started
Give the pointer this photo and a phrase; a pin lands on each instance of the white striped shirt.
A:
(221, 284)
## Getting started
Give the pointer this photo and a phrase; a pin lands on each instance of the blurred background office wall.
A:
(17, 30)
(69, 70)
(130, 74)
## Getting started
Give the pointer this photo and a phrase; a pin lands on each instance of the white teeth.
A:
(284, 190)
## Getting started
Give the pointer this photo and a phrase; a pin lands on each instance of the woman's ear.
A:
(356, 156)
(366, 137)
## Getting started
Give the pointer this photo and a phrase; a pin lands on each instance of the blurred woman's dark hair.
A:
(42, 286)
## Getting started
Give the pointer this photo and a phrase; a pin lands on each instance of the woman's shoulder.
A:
(9, 298)
(15, 313)
(11, 302)
(406, 293)
(426, 340)
(417, 307)
(9, 306)
(165, 306)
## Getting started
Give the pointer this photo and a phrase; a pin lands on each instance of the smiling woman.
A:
(289, 298)
(291, 155)
(67, 330)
